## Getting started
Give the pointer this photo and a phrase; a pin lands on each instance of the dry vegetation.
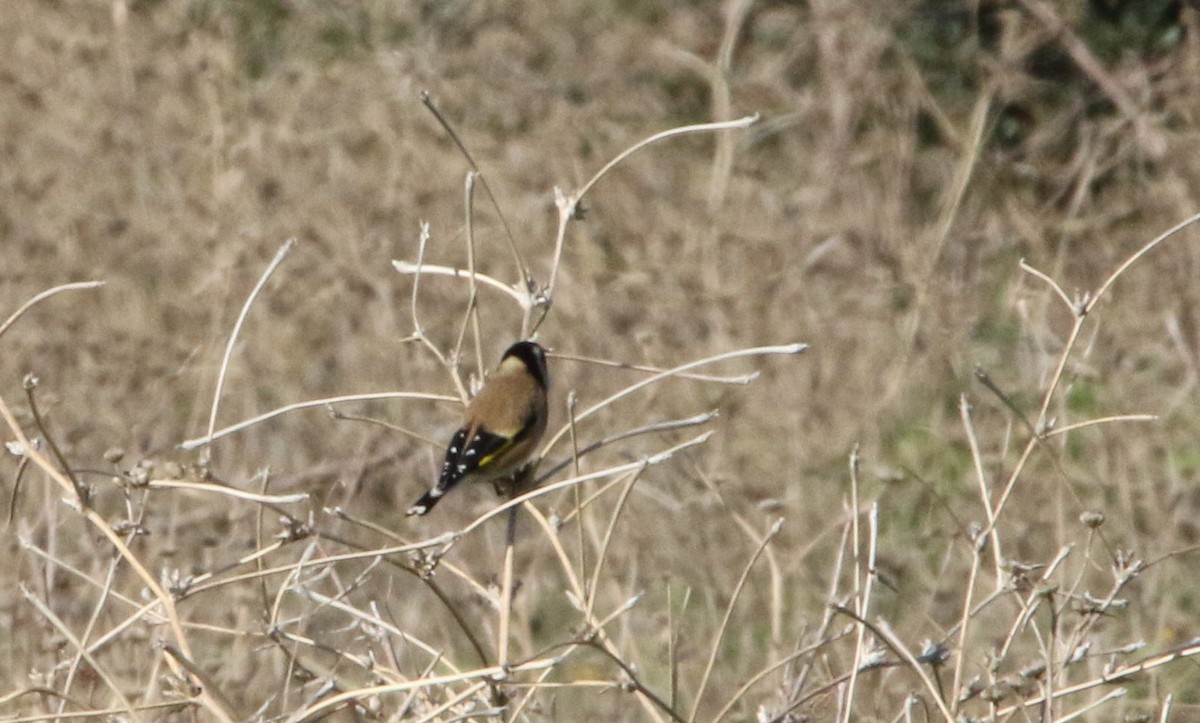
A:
(980, 517)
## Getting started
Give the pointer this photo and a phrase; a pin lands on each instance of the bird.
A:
(502, 426)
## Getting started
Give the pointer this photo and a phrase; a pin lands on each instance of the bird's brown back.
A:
(494, 403)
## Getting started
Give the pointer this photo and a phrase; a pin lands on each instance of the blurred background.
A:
(909, 155)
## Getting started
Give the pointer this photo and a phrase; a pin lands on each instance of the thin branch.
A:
(46, 295)
(418, 330)
(653, 459)
(632, 676)
(237, 327)
(177, 484)
(405, 267)
(860, 602)
(737, 591)
(201, 441)
(568, 206)
(731, 125)
(506, 589)
(1108, 677)
(80, 648)
(81, 490)
(1111, 695)
(448, 539)
(754, 679)
(652, 428)
(170, 706)
(1098, 421)
(1084, 308)
(473, 299)
(884, 632)
(1137, 257)
(98, 522)
(741, 379)
(1049, 282)
(522, 269)
(205, 680)
(754, 351)
(594, 585)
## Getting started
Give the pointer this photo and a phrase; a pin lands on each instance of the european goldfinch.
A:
(503, 424)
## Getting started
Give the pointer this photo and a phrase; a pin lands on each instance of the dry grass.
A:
(976, 520)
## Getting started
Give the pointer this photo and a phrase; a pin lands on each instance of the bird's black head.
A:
(533, 356)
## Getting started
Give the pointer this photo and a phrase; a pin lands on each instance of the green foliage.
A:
(645, 11)
(1185, 457)
(260, 29)
(1082, 397)
(943, 38)
(1117, 28)
(941, 466)
(999, 328)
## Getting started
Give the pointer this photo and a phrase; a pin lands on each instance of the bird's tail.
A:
(426, 503)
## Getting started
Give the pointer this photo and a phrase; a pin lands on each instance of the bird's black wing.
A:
(463, 457)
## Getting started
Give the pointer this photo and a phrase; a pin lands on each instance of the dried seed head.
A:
(934, 654)
(974, 687)
(995, 693)
(139, 476)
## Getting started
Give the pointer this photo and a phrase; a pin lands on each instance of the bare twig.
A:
(506, 589)
(754, 679)
(201, 441)
(1110, 676)
(737, 591)
(737, 379)
(100, 524)
(405, 267)
(755, 351)
(46, 295)
(1049, 282)
(652, 428)
(429, 103)
(568, 205)
(472, 313)
(884, 632)
(237, 327)
(177, 484)
(81, 490)
(722, 100)
(80, 648)
(860, 601)
(1112, 278)
(1098, 421)
(594, 585)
